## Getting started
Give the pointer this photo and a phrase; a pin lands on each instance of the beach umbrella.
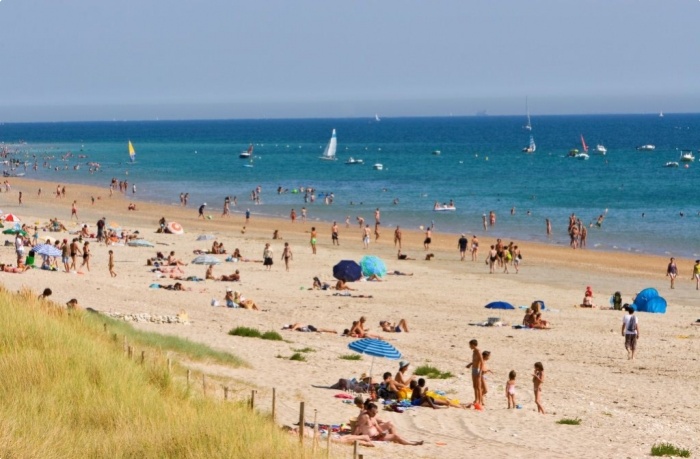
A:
(375, 348)
(47, 250)
(140, 243)
(499, 305)
(206, 237)
(15, 231)
(11, 218)
(347, 270)
(174, 228)
(206, 260)
(372, 265)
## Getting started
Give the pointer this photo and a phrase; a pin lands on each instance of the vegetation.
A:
(69, 391)
(569, 422)
(305, 349)
(667, 449)
(298, 357)
(272, 336)
(245, 331)
(351, 357)
(432, 372)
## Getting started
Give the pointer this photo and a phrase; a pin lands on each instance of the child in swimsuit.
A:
(510, 389)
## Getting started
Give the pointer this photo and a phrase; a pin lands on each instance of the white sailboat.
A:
(376, 117)
(247, 153)
(584, 154)
(329, 152)
(528, 126)
(531, 148)
(132, 152)
(687, 156)
(600, 149)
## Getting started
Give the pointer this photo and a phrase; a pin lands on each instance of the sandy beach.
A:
(625, 406)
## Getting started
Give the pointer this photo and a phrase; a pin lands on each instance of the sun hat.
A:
(229, 289)
(403, 364)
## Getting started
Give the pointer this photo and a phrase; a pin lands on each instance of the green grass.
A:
(569, 422)
(245, 331)
(351, 357)
(305, 349)
(272, 336)
(67, 390)
(298, 357)
(667, 449)
(432, 372)
(138, 338)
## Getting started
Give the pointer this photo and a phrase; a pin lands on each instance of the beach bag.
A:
(632, 325)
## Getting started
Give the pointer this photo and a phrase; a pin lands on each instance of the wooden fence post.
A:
(354, 449)
(143, 357)
(189, 372)
(274, 403)
(225, 392)
(131, 352)
(204, 384)
(315, 439)
(301, 423)
(170, 366)
(252, 399)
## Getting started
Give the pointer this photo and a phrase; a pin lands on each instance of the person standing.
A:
(287, 255)
(630, 330)
(74, 252)
(303, 214)
(672, 271)
(476, 366)
(86, 255)
(462, 244)
(696, 274)
(475, 247)
(110, 264)
(312, 240)
(484, 222)
(20, 198)
(428, 238)
(365, 236)
(201, 211)
(19, 248)
(334, 233)
(267, 256)
(100, 229)
(247, 214)
(293, 215)
(397, 236)
(549, 227)
(65, 255)
(74, 210)
(227, 204)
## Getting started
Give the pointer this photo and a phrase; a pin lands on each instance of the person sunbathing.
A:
(231, 277)
(243, 302)
(390, 327)
(318, 285)
(177, 287)
(342, 285)
(11, 269)
(84, 231)
(399, 273)
(172, 270)
(358, 330)
(529, 318)
(420, 397)
(403, 256)
(367, 424)
(538, 322)
(374, 278)
(237, 254)
(354, 385)
(307, 328)
(172, 261)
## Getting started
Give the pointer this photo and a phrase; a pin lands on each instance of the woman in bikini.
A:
(287, 255)
(86, 256)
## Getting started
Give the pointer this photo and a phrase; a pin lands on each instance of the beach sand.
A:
(624, 406)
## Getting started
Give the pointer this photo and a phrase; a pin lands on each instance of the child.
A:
(485, 356)
(510, 389)
(110, 264)
(537, 381)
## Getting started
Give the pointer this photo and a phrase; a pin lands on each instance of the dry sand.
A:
(624, 406)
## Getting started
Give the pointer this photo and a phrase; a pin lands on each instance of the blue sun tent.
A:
(499, 305)
(648, 300)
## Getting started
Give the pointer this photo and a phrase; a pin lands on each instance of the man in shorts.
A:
(630, 330)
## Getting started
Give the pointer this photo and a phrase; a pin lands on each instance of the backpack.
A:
(632, 324)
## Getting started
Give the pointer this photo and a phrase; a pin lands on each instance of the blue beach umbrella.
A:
(372, 265)
(499, 305)
(347, 270)
(47, 250)
(375, 348)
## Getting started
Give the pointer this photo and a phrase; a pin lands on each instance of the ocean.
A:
(648, 208)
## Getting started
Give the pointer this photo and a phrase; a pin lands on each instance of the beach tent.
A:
(499, 305)
(648, 300)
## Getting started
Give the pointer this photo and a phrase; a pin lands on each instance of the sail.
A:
(132, 152)
(532, 147)
(329, 152)
(583, 144)
(528, 126)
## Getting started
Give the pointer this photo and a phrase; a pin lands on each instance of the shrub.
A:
(432, 372)
(667, 449)
(272, 336)
(569, 422)
(306, 349)
(245, 331)
(298, 357)
(351, 357)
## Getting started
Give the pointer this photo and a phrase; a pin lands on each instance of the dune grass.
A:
(569, 422)
(668, 449)
(432, 372)
(351, 357)
(68, 391)
(245, 331)
(271, 336)
(298, 357)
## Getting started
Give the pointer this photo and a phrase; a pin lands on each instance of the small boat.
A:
(329, 152)
(661, 114)
(132, 152)
(248, 153)
(444, 208)
(583, 156)
(378, 167)
(528, 126)
(531, 147)
(687, 156)
(648, 147)
(600, 149)
(671, 164)
(376, 117)
(353, 161)
(436, 152)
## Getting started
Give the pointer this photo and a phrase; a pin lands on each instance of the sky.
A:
(66, 60)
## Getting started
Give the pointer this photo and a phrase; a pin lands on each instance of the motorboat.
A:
(648, 147)
(436, 152)
(583, 156)
(600, 149)
(247, 153)
(378, 167)
(687, 156)
(352, 161)
(444, 208)
(671, 164)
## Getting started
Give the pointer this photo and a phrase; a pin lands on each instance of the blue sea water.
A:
(481, 167)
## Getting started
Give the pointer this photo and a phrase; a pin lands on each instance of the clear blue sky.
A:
(146, 59)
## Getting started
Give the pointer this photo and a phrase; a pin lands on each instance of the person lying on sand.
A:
(362, 440)
(403, 256)
(231, 277)
(177, 287)
(307, 328)
(318, 285)
(342, 285)
(172, 270)
(420, 397)
(390, 327)
(373, 278)
(399, 273)
(355, 385)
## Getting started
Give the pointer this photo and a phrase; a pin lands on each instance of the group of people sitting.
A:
(533, 317)
(234, 299)
(234, 277)
(358, 329)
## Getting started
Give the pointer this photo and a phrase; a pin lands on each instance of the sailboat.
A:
(531, 147)
(329, 152)
(376, 117)
(528, 126)
(132, 152)
(248, 153)
(584, 153)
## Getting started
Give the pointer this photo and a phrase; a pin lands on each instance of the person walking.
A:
(672, 271)
(287, 255)
(462, 245)
(630, 330)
